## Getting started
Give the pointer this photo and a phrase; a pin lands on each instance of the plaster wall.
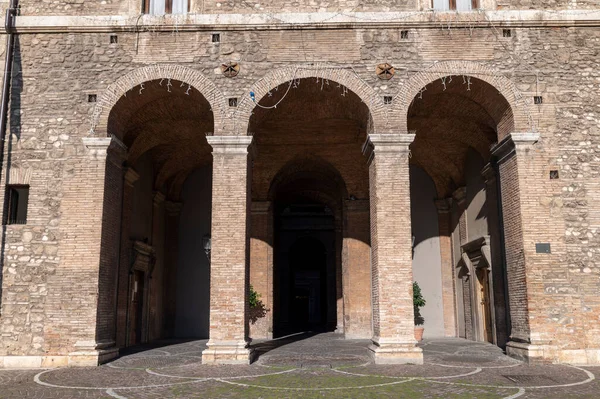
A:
(192, 310)
(477, 223)
(427, 257)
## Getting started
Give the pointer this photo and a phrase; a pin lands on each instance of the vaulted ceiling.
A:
(159, 118)
(448, 122)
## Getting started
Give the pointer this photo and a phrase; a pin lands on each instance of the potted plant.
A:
(418, 303)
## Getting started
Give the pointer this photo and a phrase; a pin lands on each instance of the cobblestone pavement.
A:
(308, 366)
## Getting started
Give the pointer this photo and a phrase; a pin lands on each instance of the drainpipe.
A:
(11, 12)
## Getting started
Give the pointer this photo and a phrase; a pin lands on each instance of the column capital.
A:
(229, 144)
(460, 195)
(99, 147)
(260, 207)
(131, 176)
(489, 174)
(158, 198)
(357, 205)
(380, 143)
(513, 141)
(173, 208)
(443, 205)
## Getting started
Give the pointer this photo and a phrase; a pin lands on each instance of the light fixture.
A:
(206, 245)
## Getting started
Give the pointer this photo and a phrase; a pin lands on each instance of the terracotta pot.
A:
(419, 333)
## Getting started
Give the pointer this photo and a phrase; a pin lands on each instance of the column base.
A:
(396, 352)
(536, 353)
(526, 352)
(91, 358)
(226, 352)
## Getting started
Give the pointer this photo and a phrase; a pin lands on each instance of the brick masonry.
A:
(58, 293)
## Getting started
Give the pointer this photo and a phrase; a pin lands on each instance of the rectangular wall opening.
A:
(18, 198)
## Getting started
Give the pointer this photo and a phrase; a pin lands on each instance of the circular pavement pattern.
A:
(308, 366)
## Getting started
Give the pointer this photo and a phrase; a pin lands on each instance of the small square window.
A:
(403, 34)
(506, 33)
(233, 102)
(387, 99)
(216, 38)
(538, 100)
(553, 174)
(92, 98)
(18, 198)
(114, 39)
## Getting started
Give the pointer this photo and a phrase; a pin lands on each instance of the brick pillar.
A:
(261, 268)
(82, 301)
(512, 157)
(228, 271)
(460, 198)
(356, 258)
(129, 179)
(444, 207)
(173, 211)
(391, 251)
(500, 305)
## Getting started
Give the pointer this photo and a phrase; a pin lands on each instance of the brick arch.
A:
(518, 117)
(334, 74)
(112, 94)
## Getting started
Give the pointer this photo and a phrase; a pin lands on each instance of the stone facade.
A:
(112, 110)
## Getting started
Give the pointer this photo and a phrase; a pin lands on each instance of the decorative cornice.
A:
(320, 20)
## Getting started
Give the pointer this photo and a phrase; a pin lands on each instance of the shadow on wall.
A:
(426, 254)
(193, 269)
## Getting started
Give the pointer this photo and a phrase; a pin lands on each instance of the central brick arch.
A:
(523, 122)
(112, 94)
(342, 76)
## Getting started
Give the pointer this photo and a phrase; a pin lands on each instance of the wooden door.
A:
(484, 304)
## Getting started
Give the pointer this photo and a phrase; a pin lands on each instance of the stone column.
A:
(391, 249)
(512, 157)
(228, 271)
(356, 259)
(444, 207)
(261, 268)
(500, 305)
(129, 179)
(173, 211)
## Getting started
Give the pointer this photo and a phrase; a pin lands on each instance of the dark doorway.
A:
(137, 306)
(305, 297)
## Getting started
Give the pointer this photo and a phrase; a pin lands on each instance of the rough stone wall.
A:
(76, 64)
(134, 7)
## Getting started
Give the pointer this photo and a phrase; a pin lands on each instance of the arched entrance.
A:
(310, 238)
(307, 238)
(458, 254)
(163, 274)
